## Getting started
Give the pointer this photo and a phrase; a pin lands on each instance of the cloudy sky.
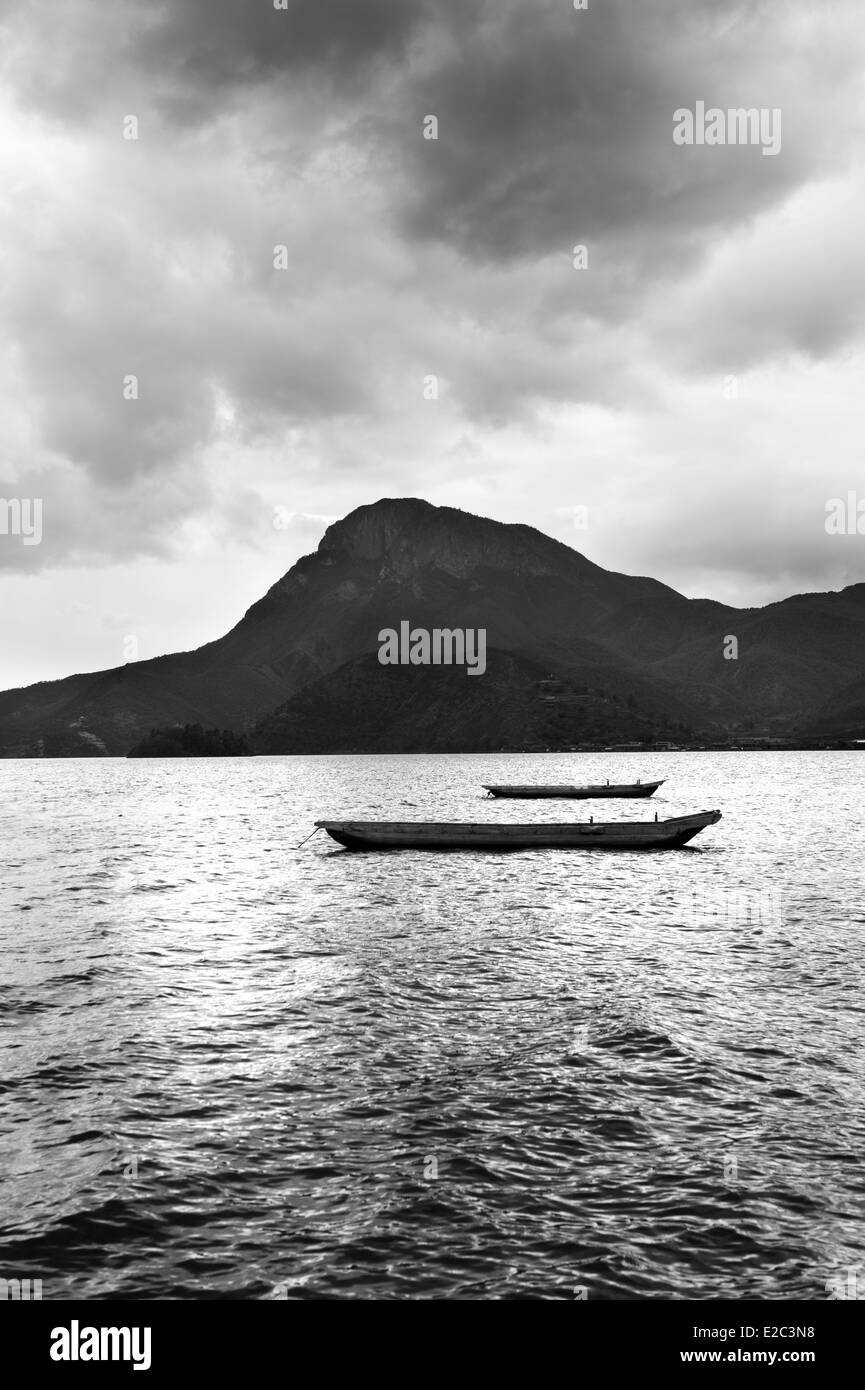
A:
(697, 388)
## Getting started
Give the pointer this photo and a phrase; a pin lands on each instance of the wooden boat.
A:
(589, 793)
(664, 834)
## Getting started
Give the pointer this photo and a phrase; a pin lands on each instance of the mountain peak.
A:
(407, 533)
(369, 532)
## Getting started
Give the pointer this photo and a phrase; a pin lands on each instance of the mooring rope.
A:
(308, 838)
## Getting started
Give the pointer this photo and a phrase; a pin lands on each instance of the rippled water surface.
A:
(236, 1068)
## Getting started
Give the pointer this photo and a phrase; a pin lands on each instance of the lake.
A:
(235, 1068)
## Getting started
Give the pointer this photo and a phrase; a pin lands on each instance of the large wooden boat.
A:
(589, 793)
(664, 834)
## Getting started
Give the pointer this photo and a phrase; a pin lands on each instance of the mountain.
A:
(625, 640)
(363, 707)
(842, 716)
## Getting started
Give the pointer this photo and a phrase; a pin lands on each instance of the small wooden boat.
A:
(664, 834)
(589, 793)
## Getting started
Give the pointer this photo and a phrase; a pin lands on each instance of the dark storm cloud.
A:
(554, 125)
(218, 44)
(407, 256)
(555, 128)
(197, 55)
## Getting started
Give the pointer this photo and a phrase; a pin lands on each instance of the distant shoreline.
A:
(794, 747)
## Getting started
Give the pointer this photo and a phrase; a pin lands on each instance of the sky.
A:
(242, 291)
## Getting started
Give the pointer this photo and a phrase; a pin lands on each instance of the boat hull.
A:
(451, 835)
(627, 790)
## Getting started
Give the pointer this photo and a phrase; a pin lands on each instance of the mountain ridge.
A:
(539, 600)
